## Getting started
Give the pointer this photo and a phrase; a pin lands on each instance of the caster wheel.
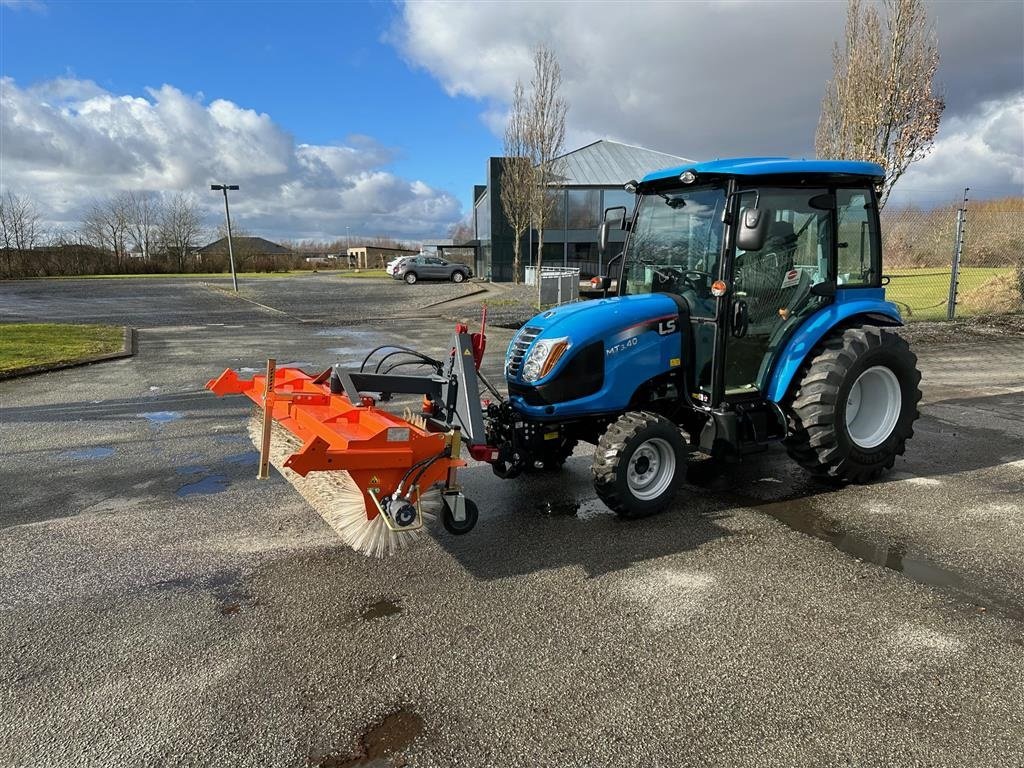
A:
(459, 527)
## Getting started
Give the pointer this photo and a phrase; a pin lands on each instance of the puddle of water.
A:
(99, 452)
(355, 333)
(563, 508)
(380, 742)
(244, 459)
(211, 484)
(192, 470)
(380, 609)
(160, 417)
(801, 515)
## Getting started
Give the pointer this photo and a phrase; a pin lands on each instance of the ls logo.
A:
(665, 327)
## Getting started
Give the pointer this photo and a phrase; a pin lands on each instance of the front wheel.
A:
(458, 276)
(639, 464)
(855, 405)
(410, 277)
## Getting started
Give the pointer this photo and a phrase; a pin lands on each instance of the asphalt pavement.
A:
(160, 606)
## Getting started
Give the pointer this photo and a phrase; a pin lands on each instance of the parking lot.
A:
(160, 606)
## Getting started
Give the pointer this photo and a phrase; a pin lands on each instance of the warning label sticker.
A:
(792, 278)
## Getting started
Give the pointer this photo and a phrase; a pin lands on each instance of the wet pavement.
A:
(768, 619)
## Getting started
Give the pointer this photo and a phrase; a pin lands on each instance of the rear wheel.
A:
(855, 405)
(410, 277)
(638, 464)
(458, 276)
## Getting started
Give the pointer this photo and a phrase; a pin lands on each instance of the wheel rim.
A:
(457, 277)
(410, 279)
(651, 469)
(873, 407)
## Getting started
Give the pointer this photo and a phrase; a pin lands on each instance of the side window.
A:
(857, 239)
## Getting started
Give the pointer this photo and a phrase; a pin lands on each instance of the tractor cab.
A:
(752, 249)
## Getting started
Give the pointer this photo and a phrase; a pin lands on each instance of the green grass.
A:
(922, 293)
(28, 344)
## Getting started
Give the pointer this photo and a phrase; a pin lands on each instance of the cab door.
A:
(771, 288)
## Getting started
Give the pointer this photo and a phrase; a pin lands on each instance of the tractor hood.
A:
(584, 323)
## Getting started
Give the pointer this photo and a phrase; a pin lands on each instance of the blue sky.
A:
(322, 71)
(377, 118)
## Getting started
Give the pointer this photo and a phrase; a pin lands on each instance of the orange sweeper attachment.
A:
(375, 477)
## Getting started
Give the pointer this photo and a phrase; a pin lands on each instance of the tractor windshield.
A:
(675, 245)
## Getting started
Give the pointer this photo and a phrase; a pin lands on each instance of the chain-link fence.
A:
(955, 262)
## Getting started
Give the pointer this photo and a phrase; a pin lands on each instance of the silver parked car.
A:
(431, 268)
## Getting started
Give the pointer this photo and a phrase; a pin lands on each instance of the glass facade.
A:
(582, 209)
(616, 197)
(556, 209)
(482, 217)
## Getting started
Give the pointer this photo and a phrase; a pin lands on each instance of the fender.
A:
(867, 302)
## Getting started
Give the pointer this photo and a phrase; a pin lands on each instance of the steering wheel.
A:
(693, 279)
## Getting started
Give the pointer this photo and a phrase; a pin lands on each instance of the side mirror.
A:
(753, 229)
(601, 282)
(614, 218)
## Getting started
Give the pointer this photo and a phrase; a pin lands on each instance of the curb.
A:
(128, 349)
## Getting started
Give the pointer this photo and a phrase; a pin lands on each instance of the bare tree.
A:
(546, 111)
(880, 104)
(20, 227)
(180, 227)
(519, 182)
(461, 231)
(106, 226)
(144, 212)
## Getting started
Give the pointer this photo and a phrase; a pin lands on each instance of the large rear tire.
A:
(855, 405)
(639, 463)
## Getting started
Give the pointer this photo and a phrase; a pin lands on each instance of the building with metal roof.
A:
(590, 179)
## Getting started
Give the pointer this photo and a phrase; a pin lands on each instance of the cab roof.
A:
(771, 166)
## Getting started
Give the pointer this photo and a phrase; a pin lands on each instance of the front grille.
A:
(517, 350)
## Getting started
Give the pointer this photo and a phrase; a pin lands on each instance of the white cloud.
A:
(66, 141)
(983, 150)
(28, 5)
(715, 79)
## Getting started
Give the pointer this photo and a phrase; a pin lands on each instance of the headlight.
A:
(543, 356)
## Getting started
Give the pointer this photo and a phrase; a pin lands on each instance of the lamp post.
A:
(227, 216)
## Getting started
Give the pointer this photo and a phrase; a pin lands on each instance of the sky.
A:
(377, 118)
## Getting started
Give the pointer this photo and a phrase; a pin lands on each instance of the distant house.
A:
(244, 248)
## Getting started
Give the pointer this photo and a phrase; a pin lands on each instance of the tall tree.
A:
(20, 228)
(106, 226)
(143, 211)
(546, 134)
(881, 104)
(181, 225)
(519, 182)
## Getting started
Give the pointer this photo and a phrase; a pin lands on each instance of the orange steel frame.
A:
(374, 446)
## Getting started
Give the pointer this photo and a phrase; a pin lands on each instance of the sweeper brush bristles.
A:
(337, 499)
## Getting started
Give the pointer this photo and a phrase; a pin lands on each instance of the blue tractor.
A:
(746, 307)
